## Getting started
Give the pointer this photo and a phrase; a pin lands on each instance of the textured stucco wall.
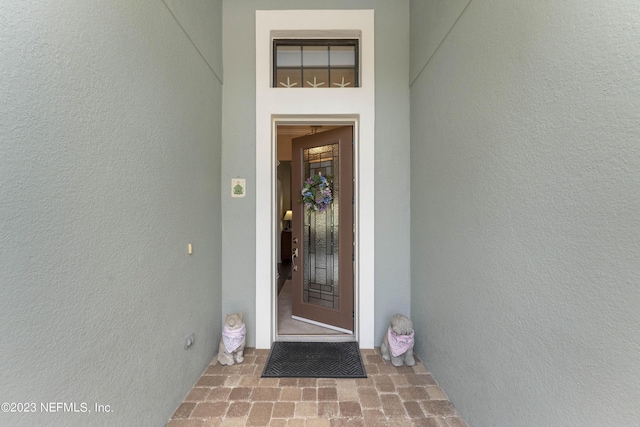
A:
(110, 166)
(392, 288)
(525, 167)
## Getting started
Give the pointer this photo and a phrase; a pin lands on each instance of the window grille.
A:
(315, 63)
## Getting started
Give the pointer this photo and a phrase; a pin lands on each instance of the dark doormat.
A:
(314, 360)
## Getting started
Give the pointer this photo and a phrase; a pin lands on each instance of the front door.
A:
(322, 229)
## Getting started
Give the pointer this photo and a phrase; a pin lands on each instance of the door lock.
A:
(294, 255)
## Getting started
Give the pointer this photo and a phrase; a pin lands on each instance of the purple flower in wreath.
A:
(316, 193)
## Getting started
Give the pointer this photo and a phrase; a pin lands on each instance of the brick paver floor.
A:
(390, 396)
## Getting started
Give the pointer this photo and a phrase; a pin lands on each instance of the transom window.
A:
(324, 63)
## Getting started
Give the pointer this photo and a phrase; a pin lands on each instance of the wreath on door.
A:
(317, 195)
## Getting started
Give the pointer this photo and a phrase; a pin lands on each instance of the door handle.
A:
(294, 255)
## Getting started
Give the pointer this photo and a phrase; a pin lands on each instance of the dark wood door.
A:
(322, 236)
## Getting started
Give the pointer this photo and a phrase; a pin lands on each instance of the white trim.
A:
(279, 105)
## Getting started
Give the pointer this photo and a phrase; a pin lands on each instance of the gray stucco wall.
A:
(110, 165)
(392, 288)
(525, 170)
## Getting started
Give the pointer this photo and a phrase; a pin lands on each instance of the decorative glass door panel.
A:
(322, 227)
(320, 242)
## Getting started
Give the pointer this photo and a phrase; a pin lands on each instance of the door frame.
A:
(348, 335)
(266, 224)
(320, 105)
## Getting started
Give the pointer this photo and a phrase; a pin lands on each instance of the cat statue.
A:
(397, 344)
(233, 340)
